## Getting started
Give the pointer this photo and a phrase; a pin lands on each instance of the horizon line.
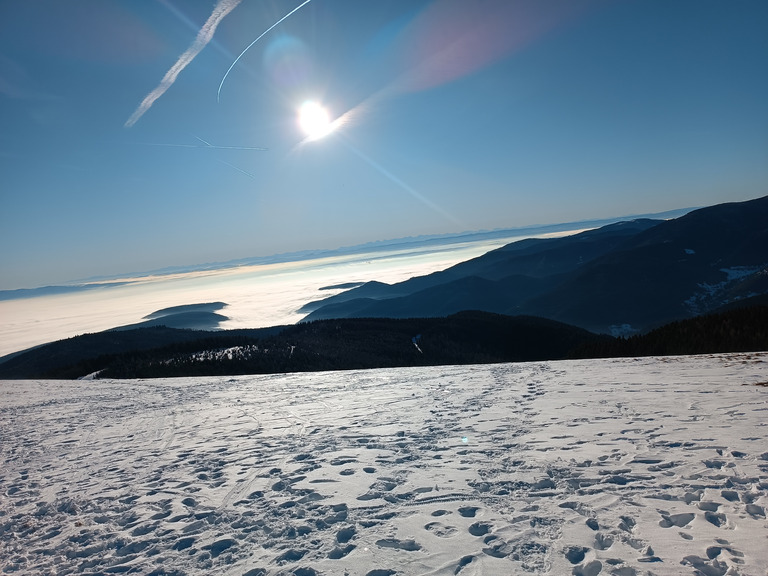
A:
(120, 279)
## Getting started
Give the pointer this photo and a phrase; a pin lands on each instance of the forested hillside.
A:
(358, 343)
(627, 277)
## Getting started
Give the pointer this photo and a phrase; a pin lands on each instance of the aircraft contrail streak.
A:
(251, 176)
(222, 8)
(212, 146)
(203, 141)
(267, 31)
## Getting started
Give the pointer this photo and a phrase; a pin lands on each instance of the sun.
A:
(314, 120)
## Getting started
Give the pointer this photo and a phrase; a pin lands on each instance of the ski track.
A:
(623, 467)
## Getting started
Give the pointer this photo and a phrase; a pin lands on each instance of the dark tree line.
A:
(737, 330)
(359, 343)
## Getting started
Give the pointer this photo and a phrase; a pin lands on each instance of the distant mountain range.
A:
(689, 285)
(424, 243)
(623, 278)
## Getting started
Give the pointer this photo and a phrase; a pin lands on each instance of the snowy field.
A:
(621, 467)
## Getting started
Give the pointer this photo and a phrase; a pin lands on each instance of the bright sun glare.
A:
(314, 120)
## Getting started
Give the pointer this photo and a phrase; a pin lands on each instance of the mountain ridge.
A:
(469, 337)
(421, 241)
(636, 277)
(636, 274)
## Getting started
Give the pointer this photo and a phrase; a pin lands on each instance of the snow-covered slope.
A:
(623, 467)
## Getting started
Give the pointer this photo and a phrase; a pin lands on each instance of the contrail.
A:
(222, 8)
(251, 176)
(218, 92)
(203, 141)
(212, 146)
(193, 26)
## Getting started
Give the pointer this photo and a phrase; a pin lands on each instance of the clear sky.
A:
(455, 115)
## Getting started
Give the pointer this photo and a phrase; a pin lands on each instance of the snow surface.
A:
(622, 467)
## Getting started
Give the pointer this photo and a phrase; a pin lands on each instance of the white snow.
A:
(713, 294)
(739, 272)
(622, 467)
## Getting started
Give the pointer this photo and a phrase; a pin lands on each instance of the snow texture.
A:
(622, 467)
(711, 296)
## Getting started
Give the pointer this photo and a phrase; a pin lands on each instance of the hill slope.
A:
(466, 338)
(629, 276)
(361, 343)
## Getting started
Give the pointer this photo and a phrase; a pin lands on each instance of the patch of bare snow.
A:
(708, 293)
(625, 467)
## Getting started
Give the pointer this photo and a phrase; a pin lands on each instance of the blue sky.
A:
(456, 115)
